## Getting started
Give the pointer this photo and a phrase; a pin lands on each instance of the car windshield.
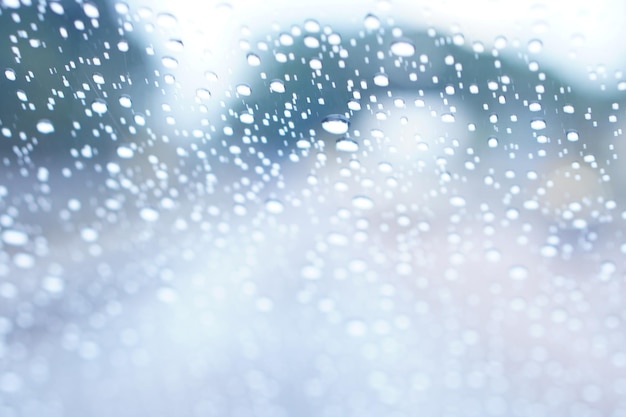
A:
(360, 208)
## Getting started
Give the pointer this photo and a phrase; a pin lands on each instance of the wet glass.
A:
(353, 209)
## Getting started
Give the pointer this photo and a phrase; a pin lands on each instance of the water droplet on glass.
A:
(125, 152)
(247, 118)
(538, 124)
(535, 46)
(167, 20)
(254, 60)
(57, 7)
(125, 101)
(14, 237)
(45, 126)
(548, 251)
(347, 145)
(98, 78)
(169, 62)
(311, 42)
(572, 136)
(149, 214)
(381, 80)
(336, 124)
(91, 10)
(354, 105)
(10, 74)
(175, 45)
(311, 272)
(285, 39)
(123, 46)
(492, 142)
(518, 272)
(568, 108)
(243, 90)
(458, 39)
(362, 202)
(447, 118)
(274, 206)
(371, 22)
(203, 93)
(403, 48)
(277, 86)
(315, 64)
(457, 201)
(356, 328)
(99, 106)
(89, 234)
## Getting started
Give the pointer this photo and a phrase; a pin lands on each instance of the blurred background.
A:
(329, 209)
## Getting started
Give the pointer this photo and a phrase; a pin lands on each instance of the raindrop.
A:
(125, 152)
(500, 42)
(45, 126)
(57, 7)
(89, 234)
(175, 45)
(458, 39)
(10, 74)
(91, 10)
(538, 124)
(98, 78)
(572, 136)
(125, 101)
(548, 251)
(518, 272)
(354, 105)
(169, 62)
(336, 124)
(381, 80)
(203, 93)
(311, 272)
(403, 48)
(149, 214)
(246, 118)
(492, 142)
(274, 206)
(53, 284)
(457, 201)
(277, 86)
(167, 20)
(312, 26)
(24, 260)
(254, 60)
(568, 108)
(535, 46)
(122, 46)
(371, 22)
(315, 64)
(311, 42)
(337, 239)
(285, 39)
(14, 237)
(347, 145)
(99, 106)
(447, 118)
(356, 328)
(362, 202)
(243, 90)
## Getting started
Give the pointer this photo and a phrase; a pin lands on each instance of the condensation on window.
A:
(370, 208)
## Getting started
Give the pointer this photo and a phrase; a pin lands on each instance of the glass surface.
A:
(317, 208)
